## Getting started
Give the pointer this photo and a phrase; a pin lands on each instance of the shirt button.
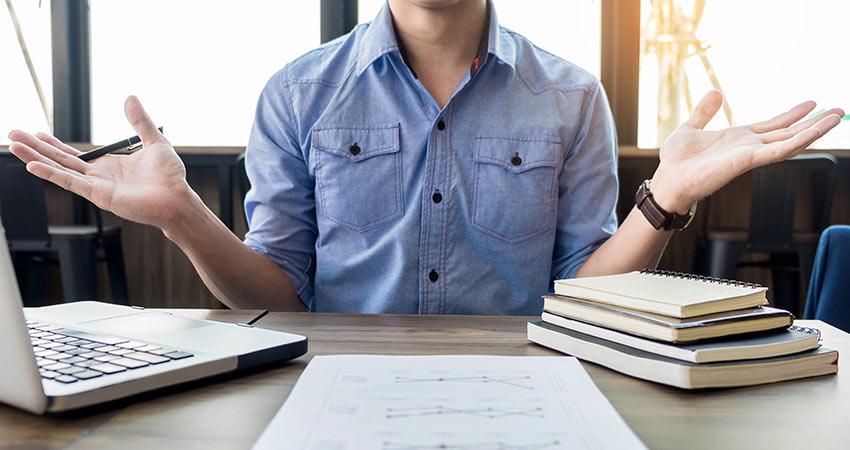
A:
(354, 149)
(441, 125)
(433, 276)
(437, 197)
(516, 160)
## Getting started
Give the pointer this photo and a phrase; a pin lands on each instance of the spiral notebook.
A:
(667, 293)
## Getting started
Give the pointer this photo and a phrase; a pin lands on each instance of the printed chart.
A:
(446, 402)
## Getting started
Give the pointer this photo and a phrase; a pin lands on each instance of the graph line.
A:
(489, 413)
(508, 381)
(470, 446)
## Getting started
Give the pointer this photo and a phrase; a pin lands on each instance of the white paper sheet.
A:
(350, 402)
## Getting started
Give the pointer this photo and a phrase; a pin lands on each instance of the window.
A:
(570, 29)
(765, 55)
(22, 108)
(198, 66)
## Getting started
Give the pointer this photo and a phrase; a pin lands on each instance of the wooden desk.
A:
(813, 413)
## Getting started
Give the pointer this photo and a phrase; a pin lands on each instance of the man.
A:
(428, 162)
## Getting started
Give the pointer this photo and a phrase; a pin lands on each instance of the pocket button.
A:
(354, 149)
(433, 276)
(516, 160)
(437, 197)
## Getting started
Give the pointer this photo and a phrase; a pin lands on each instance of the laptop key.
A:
(178, 355)
(88, 374)
(73, 360)
(147, 357)
(129, 363)
(56, 366)
(147, 348)
(70, 370)
(93, 345)
(49, 344)
(77, 351)
(161, 351)
(46, 353)
(106, 358)
(37, 341)
(49, 374)
(65, 339)
(121, 351)
(59, 356)
(131, 344)
(64, 348)
(107, 349)
(87, 363)
(91, 354)
(65, 379)
(108, 340)
(108, 368)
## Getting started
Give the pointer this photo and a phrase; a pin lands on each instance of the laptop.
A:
(68, 356)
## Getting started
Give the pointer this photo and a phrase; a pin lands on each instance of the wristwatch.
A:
(656, 215)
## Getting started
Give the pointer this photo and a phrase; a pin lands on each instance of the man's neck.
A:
(440, 42)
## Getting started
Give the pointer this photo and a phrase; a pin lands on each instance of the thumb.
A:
(706, 109)
(141, 122)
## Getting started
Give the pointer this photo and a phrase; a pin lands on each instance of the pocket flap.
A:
(517, 155)
(357, 142)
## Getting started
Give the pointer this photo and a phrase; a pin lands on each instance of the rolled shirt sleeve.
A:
(587, 188)
(280, 207)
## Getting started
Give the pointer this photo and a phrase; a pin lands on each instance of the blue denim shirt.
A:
(349, 151)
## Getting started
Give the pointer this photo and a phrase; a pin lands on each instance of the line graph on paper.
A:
(513, 381)
(455, 382)
(484, 412)
(471, 446)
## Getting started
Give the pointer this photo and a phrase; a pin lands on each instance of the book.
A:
(666, 328)
(683, 374)
(667, 293)
(789, 340)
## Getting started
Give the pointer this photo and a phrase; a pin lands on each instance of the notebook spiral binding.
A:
(688, 276)
(806, 330)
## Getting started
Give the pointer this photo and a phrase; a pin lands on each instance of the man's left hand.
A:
(695, 163)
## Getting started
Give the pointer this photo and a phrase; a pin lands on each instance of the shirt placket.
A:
(435, 204)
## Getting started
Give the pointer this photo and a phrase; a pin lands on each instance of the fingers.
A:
(61, 177)
(52, 140)
(785, 119)
(140, 121)
(705, 110)
(49, 151)
(780, 150)
(781, 135)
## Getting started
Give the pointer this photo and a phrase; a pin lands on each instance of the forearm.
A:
(239, 276)
(636, 245)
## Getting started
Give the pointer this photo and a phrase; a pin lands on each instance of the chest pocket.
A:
(515, 187)
(358, 174)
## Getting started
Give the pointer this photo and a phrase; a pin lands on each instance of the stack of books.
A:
(683, 330)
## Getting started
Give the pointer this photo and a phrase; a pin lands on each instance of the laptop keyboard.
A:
(67, 355)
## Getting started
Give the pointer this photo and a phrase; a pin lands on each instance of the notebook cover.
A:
(674, 322)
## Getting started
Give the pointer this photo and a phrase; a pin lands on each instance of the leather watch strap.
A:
(656, 215)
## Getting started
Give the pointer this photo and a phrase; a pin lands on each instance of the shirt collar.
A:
(379, 39)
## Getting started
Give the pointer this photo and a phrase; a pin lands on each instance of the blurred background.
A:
(198, 67)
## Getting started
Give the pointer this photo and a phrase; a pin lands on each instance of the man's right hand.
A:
(147, 186)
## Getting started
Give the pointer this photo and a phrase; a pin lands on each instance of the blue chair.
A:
(829, 291)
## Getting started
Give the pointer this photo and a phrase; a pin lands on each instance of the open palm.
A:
(145, 186)
(695, 163)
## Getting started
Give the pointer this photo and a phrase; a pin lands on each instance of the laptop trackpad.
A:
(144, 325)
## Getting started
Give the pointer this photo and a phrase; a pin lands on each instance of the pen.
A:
(122, 144)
